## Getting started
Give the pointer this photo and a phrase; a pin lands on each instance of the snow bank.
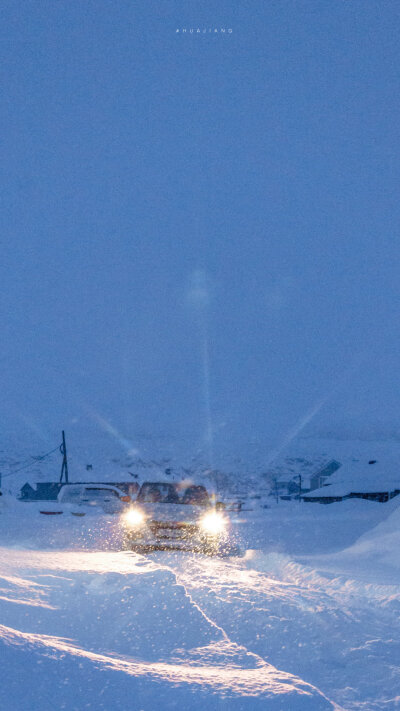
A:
(104, 630)
(379, 547)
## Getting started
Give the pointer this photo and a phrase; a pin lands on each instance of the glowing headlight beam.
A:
(213, 523)
(134, 518)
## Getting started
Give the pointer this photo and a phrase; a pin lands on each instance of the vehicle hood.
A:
(173, 512)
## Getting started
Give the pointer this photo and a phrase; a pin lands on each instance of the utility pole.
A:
(64, 466)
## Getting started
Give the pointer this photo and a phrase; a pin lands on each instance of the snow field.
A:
(99, 628)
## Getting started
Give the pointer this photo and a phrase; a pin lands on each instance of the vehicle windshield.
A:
(70, 494)
(196, 496)
(164, 493)
(158, 493)
(97, 493)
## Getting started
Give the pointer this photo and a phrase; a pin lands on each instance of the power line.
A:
(37, 458)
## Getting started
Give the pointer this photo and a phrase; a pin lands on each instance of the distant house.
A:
(28, 492)
(319, 478)
(372, 480)
(45, 491)
(48, 491)
(307, 477)
(325, 495)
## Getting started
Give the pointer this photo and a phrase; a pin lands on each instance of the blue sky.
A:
(267, 161)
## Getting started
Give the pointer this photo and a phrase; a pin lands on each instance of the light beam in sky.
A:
(199, 298)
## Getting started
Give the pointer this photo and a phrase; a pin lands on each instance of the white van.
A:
(109, 499)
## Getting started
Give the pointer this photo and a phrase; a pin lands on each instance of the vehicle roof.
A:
(175, 484)
(91, 485)
(158, 483)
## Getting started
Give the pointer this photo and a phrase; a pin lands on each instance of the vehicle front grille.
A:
(173, 529)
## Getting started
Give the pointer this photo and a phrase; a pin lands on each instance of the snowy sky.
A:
(161, 190)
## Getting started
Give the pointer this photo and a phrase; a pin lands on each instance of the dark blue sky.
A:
(266, 160)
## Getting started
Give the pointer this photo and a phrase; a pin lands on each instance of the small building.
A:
(45, 491)
(48, 491)
(320, 477)
(305, 476)
(371, 480)
(28, 493)
(320, 498)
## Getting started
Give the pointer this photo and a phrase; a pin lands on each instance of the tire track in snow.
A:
(338, 636)
(233, 646)
(220, 667)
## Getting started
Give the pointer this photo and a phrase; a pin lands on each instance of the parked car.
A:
(167, 516)
(86, 498)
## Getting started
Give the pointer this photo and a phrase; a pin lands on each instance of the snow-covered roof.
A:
(361, 477)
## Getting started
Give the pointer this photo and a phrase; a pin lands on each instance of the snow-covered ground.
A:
(307, 618)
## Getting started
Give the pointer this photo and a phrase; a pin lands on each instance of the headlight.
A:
(134, 518)
(213, 523)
